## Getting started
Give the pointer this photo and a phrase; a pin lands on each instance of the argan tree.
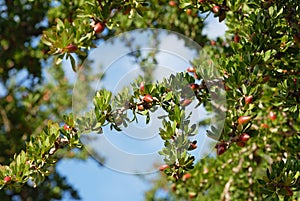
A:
(257, 151)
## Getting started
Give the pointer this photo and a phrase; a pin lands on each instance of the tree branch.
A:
(6, 121)
(101, 7)
(226, 194)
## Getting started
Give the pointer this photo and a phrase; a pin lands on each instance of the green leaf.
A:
(59, 59)
(262, 182)
(168, 96)
(73, 63)
(271, 11)
(46, 41)
(60, 25)
(184, 4)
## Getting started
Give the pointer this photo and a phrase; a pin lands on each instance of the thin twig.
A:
(238, 168)
(6, 121)
(101, 7)
(40, 128)
(226, 194)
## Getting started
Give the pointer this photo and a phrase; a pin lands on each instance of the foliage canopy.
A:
(259, 59)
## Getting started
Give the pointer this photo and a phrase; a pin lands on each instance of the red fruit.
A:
(248, 99)
(297, 38)
(72, 48)
(192, 195)
(216, 9)
(46, 95)
(266, 78)
(142, 86)
(99, 27)
(6, 179)
(295, 81)
(189, 11)
(244, 119)
(186, 102)
(289, 191)
(194, 86)
(201, 1)
(172, 3)
(191, 69)
(192, 146)
(264, 125)
(205, 170)
(221, 148)
(66, 127)
(213, 43)
(240, 144)
(226, 87)
(9, 98)
(163, 167)
(272, 115)
(196, 76)
(148, 98)
(140, 107)
(126, 11)
(173, 187)
(244, 137)
(236, 38)
(186, 176)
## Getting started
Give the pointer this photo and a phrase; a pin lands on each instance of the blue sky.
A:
(95, 182)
